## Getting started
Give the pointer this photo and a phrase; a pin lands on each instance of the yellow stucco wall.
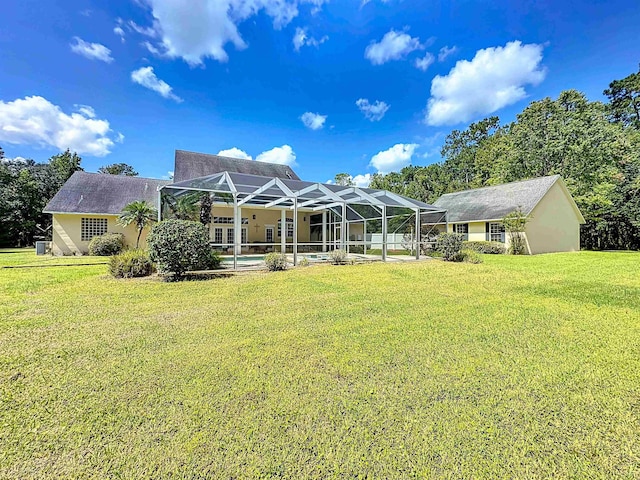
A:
(67, 235)
(554, 225)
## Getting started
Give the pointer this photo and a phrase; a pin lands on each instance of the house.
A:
(554, 218)
(256, 207)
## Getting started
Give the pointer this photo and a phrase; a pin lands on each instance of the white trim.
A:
(83, 213)
(273, 233)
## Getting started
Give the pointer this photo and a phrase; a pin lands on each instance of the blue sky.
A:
(328, 86)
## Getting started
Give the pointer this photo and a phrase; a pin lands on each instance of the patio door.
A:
(268, 233)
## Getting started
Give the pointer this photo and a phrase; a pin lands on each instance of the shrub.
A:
(106, 245)
(179, 246)
(129, 264)
(214, 260)
(496, 248)
(450, 245)
(337, 256)
(470, 256)
(304, 262)
(275, 261)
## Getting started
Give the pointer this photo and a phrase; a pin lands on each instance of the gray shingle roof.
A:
(190, 165)
(493, 203)
(102, 193)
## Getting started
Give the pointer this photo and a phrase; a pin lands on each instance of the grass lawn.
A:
(522, 367)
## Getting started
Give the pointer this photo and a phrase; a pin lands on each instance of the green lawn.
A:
(522, 367)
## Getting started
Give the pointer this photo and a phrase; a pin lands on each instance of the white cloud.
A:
(424, 62)
(147, 31)
(206, 28)
(235, 153)
(493, 79)
(147, 78)
(153, 50)
(314, 121)
(283, 155)
(92, 51)
(362, 181)
(393, 159)
(86, 110)
(300, 39)
(120, 32)
(15, 159)
(372, 111)
(393, 46)
(446, 52)
(35, 120)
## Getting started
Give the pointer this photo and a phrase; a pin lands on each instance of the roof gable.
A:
(493, 203)
(190, 165)
(102, 193)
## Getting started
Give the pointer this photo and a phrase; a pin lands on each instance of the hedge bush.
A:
(179, 246)
(106, 245)
(337, 257)
(450, 245)
(496, 248)
(471, 256)
(275, 261)
(131, 263)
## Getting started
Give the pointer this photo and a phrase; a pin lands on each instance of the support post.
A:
(159, 205)
(418, 233)
(295, 231)
(343, 228)
(236, 229)
(384, 233)
(446, 222)
(364, 236)
(283, 231)
(324, 230)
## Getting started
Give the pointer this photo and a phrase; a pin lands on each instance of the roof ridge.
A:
(501, 185)
(123, 176)
(231, 158)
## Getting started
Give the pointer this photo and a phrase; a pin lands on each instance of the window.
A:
(243, 238)
(229, 220)
(462, 228)
(496, 232)
(268, 234)
(217, 235)
(92, 227)
(289, 228)
(230, 236)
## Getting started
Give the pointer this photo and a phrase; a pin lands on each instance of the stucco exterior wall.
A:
(67, 234)
(554, 225)
(477, 231)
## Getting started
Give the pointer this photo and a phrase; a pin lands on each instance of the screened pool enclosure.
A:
(252, 214)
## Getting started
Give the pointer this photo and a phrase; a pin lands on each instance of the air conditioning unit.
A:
(42, 248)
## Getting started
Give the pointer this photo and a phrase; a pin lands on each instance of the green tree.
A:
(344, 179)
(139, 213)
(515, 224)
(65, 164)
(624, 100)
(118, 169)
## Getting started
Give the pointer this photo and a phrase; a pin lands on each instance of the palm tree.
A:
(139, 212)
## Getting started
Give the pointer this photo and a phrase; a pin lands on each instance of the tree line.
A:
(27, 186)
(594, 146)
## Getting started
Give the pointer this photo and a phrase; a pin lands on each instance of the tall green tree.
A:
(624, 100)
(119, 169)
(65, 164)
(343, 179)
(139, 213)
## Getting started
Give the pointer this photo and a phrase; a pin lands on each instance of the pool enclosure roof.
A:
(260, 191)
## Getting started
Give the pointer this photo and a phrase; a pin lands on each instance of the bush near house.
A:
(130, 264)
(275, 261)
(179, 246)
(106, 245)
(495, 248)
(470, 256)
(450, 246)
(337, 257)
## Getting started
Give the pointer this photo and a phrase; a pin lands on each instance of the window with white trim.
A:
(92, 227)
(243, 236)
(230, 236)
(289, 228)
(462, 228)
(217, 235)
(496, 232)
(268, 234)
(228, 221)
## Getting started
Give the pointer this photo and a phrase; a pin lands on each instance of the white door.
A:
(268, 234)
